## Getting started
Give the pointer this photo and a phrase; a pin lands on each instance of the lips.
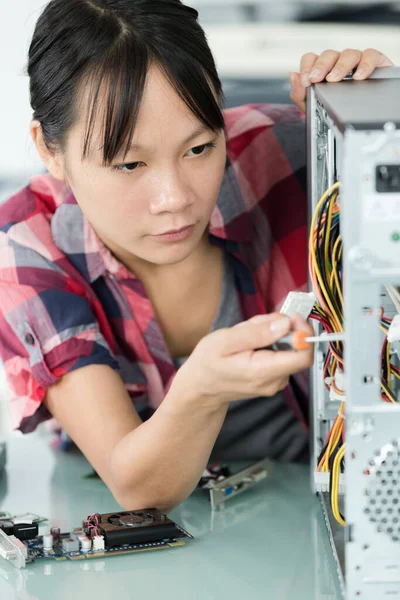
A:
(172, 231)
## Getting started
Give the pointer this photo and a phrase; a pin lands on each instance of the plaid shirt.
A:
(66, 302)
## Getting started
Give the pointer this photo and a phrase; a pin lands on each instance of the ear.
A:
(53, 160)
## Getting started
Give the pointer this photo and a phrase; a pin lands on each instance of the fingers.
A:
(280, 364)
(322, 65)
(285, 363)
(346, 62)
(299, 324)
(314, 70)
(370, 59)
(259, 332)
(334, 66)
(306, 65)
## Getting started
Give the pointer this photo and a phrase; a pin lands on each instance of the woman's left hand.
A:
(333, 66)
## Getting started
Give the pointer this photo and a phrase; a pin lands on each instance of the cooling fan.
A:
(132, 527)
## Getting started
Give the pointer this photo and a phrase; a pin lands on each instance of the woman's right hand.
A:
(229, 364)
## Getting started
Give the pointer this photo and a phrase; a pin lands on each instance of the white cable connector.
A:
(339, 384)
(394, 295)
(394, 330)
(98, 543)
(298, 302)
(322, 482)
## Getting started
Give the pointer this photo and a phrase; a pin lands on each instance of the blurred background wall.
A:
(255, 43)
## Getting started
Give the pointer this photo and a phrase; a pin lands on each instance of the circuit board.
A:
(101, 535)
(224, 485)
(36, 551)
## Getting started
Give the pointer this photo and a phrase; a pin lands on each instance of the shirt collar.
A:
(73, 234)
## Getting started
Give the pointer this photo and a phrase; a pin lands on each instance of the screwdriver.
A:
(300, 340)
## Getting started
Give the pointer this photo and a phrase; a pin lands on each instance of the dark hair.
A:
(113, 43)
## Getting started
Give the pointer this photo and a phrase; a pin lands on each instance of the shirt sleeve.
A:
(47, 329)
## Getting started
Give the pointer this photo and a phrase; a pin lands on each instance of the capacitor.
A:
(48, 541)
(56, 533)
(77, 533)
(86, 543)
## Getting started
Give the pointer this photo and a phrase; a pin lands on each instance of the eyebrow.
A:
(201, 129)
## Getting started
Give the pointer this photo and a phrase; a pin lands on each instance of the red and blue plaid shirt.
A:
(67, 302)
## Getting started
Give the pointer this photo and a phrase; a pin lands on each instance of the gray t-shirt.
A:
(261, 427)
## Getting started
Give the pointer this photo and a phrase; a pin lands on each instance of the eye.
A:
(199, 150)
(127, 167)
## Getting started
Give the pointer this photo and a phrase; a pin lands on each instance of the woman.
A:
(136, 276)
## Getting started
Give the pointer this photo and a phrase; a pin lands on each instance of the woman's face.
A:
(169, 179)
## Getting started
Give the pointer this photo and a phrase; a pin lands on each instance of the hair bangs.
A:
(195, 88)
(116, 90)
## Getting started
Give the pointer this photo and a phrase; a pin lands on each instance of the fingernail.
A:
(291, 77)
(304, 80)
(315, 74)
(360, 73)
(280, 325)
(334, 74)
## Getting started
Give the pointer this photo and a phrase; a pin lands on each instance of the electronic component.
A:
(48, 541)
(223, 485)
(101, 535)
(28, 518)
(77, 533)
(86, 544)
(321, 481)
(98, 543)
(56, 533)
(298, 302)
(394, 330)
(26, 531)
(70, 544)
(388, 179)
(7, 527)
(353, 131)
(132, 527)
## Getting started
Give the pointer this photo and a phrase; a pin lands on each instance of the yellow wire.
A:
(334, 439)
(338, 317)
(334, 319)
(314, 256)
(334, 270)
(328, 224)
(396, 374)
(388, 366)
(335, 485)
(387, 391)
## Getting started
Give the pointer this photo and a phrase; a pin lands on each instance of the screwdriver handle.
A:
(297, 340)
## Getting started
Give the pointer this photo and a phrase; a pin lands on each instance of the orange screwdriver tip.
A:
(299, 340)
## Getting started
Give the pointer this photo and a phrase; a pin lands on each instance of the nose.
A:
(171, 194)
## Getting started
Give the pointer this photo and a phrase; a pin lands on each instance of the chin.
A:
(173, 257)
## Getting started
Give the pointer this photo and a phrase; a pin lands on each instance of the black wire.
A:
(387, 391)
(331, 459)
(324, 449)
(385, 373)
(320, 255)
